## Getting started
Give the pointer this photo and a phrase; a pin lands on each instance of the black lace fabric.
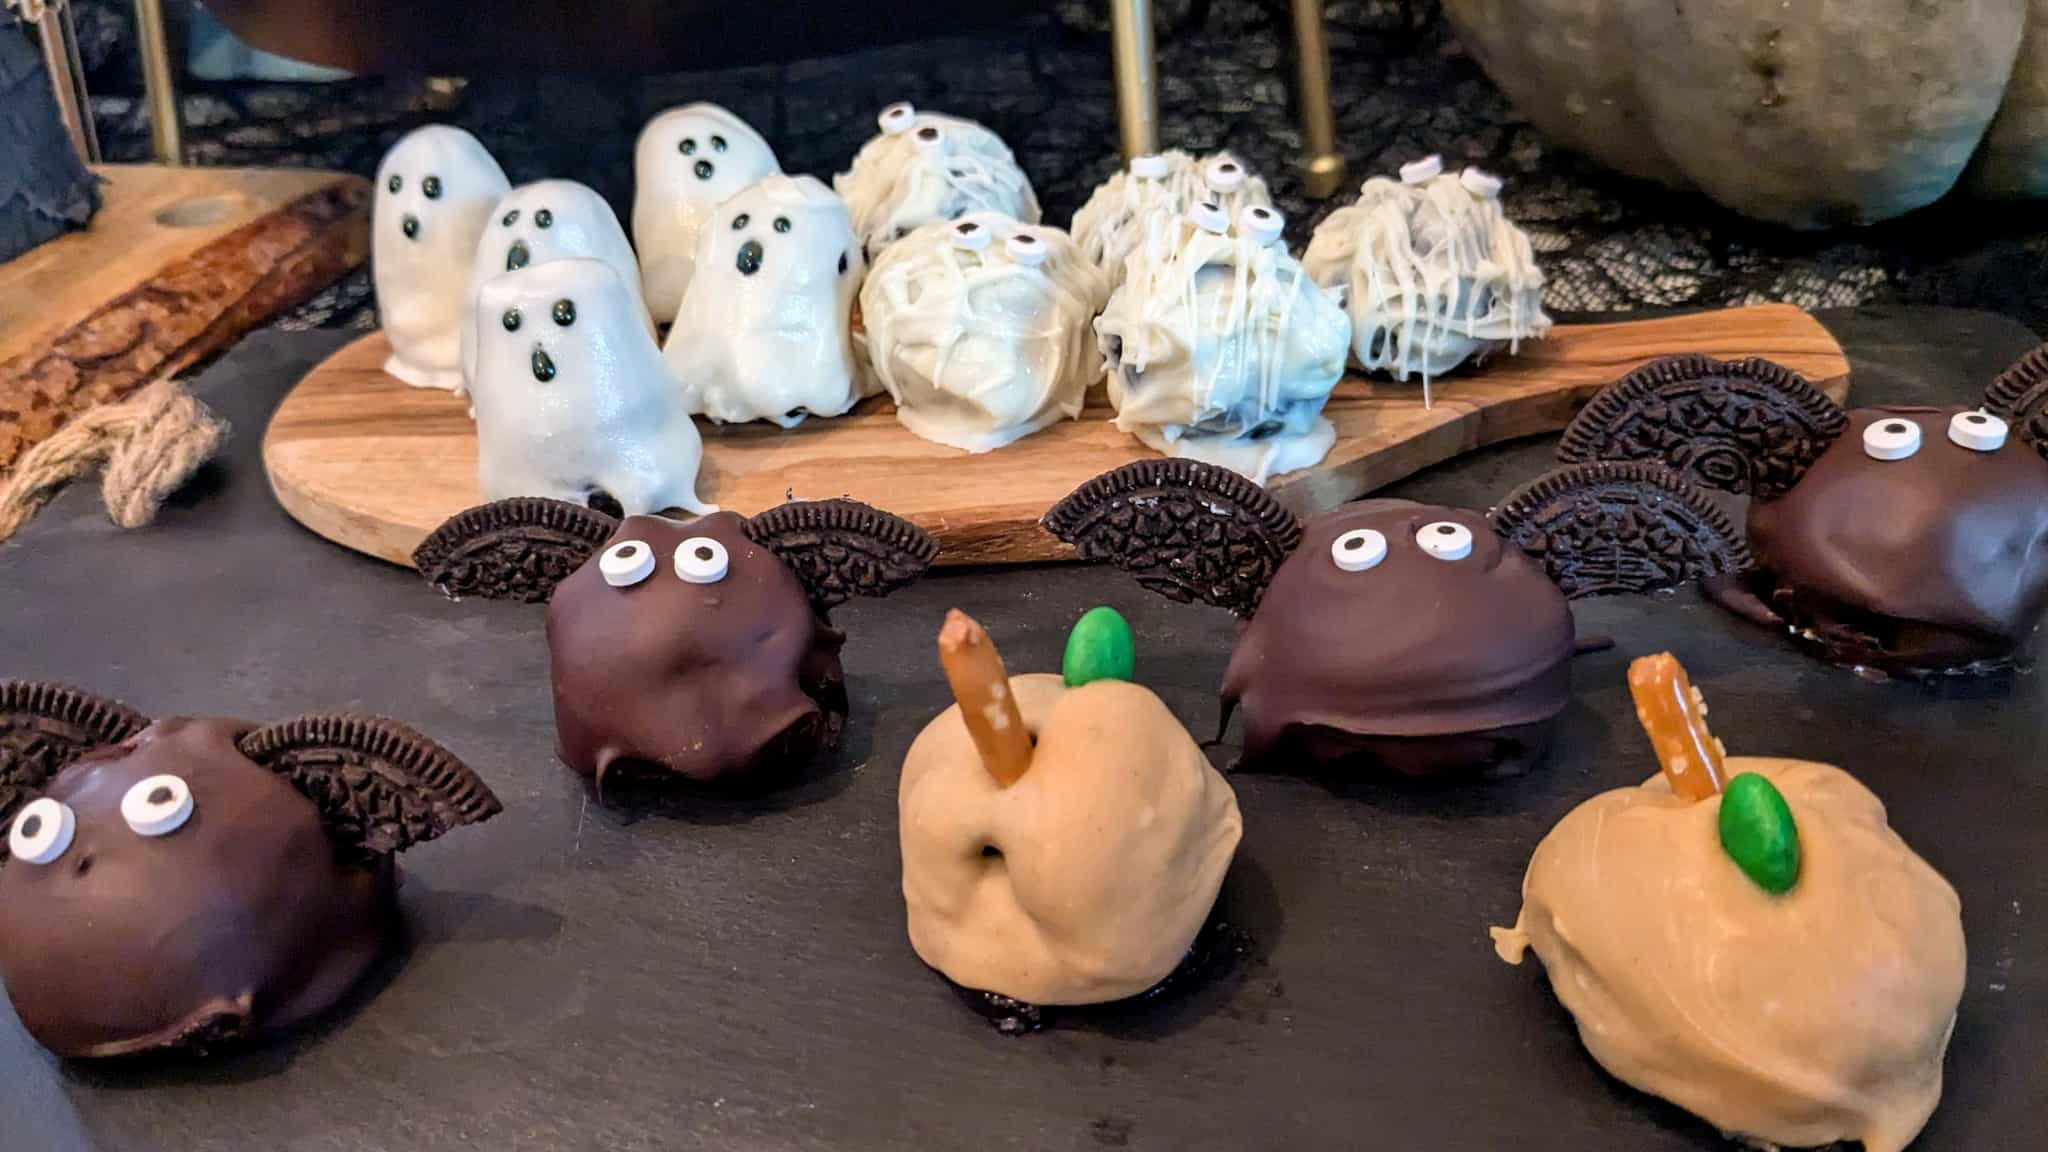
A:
(1403, 88)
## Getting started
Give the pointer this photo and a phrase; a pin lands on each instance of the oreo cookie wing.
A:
(1610, 528)
(843, 548)
(1743, 426)
(513, 549)
(44, 726)
(380, 786)
(2020, 397)
(1187, 530)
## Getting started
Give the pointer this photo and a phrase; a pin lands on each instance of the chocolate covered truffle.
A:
(1910, 540)
(1390, 634)
(190, 883)
(697, 649)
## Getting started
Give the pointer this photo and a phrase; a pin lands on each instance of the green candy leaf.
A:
(1758, 832)
(1099, 648)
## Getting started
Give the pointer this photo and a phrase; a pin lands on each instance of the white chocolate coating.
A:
(609, 418)
(1801, 1019)
(1122, 209)
(1220, 349)
(940, 168)
(1433, 275)
(579, 224)
(1113, 847)
(770, 343)
(977, 348)
(688, 159)
(423, 280)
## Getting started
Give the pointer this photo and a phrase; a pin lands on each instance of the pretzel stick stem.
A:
(1675, 716)
(974, 670)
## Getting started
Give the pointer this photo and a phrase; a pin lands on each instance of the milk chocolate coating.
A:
(244, 920)
(1337, 663)
(703, 681)
(1935, 562)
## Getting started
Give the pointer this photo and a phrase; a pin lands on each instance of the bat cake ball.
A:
(693, 649)
(688, 160)
(188, 884)
(1748, 938)
(1063, 837)
(924, 167)
(1387, 634)
(1910, 541)
(435, 190)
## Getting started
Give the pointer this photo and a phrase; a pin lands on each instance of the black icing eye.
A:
(410, 226)
(842, 263)
(688, 147)
(782, 223)
(511, 319)
(967, 227)
(32, 825)
(749, 261)
(703, 169)
(927, 133)
(543, 218)
(740, 221)
(510, 218)
(395, 183)
(517, 257)
(431, 187)
(718, 143)
(565, 312)
(543, 367)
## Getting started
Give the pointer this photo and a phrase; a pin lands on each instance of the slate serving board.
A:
(737, 978)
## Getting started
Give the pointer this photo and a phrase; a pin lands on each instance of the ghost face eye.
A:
(395, 183)
(1358, 550)
(511, 319)
(740, 221)
(782, 223)
(701, 560)
(431, 187)
(718, 143)
(510, 218)
(687, 147)
(42, 832)
(626, 563)
(543, 218)
(157, 806)
(1977, 431)
(1891, 439)
(1445, 540)
(565, 312)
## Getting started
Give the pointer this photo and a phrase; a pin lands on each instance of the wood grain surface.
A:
(370, 463)
(176, 265)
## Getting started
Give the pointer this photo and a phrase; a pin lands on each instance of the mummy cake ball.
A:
(1910, 541)
(435, 190)
(687, 161)
(925, 167)
(191, 884)
(684, 649)
(1747, 938)
(571, 397)
(1386, 634)
(980, 329)
(1153, 192)
(765, 328)
(1433, 272)
(1220, 348)
(1063, 837)
(550, 220)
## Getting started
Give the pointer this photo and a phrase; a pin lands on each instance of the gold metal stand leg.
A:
(1137, 78)
(159, 83)
(1323, 167)
(67, 79)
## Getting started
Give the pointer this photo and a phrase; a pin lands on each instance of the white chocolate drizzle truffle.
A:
(435, 190)
(1155, 190)
(925, 167)
(1221, 349)
(687, 161)
(979, 329)
(1433, 271)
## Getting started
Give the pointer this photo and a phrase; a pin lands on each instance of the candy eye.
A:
(395, 183)
(543, 218)
(42, 832)
(1358, 550)
(565, 312)
(1150, 167)
(1422, 171)
(157, 806)
(688, 147)
(1261, 223)
(1977, 431)
(897, 118)
(1445, 540)
(431, 187)
(718, 143)
(1891, 439)
(511, 319)
(1210, 217)
(1224, 175)
(969, 236)
(701, 560)
(626, 563)
(1025, 249)
(1484, 185)
(782, 223)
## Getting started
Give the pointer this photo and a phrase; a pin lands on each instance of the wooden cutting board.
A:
(178, 263)
(375, 465)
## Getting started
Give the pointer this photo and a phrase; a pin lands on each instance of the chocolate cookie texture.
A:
(1421, 639)
(1914, 542)
(190, 883)
(697, 649)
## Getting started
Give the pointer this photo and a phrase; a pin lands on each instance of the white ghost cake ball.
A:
(1220, 348)
(1432, 270)
(687, 161)
(764, 331)
(925, 167)
(1151, 193)
(434, 194)
(550, 220)
(979, 328)
(571, 396)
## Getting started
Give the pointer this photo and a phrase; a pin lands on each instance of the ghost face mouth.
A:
(517, 256)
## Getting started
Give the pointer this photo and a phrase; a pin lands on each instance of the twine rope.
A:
(146, 447)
